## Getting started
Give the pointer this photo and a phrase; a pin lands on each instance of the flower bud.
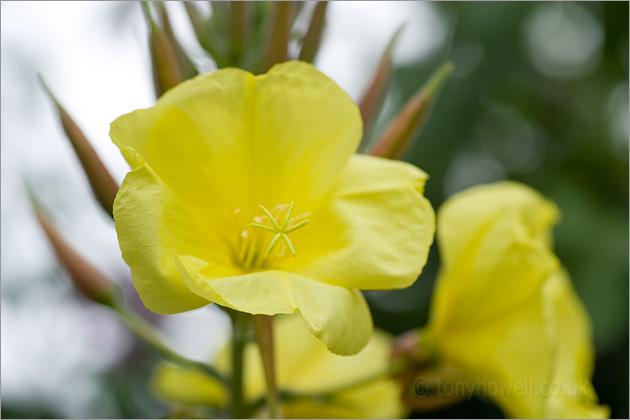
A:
(166, 71)
(198, 24)
(278, 36)
(238, 29)
(88, 280)
(372, 100)
(313, 36)
(401, 132)
(184, 63)
(102, 183)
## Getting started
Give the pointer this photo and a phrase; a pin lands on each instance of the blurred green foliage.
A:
(560, 127)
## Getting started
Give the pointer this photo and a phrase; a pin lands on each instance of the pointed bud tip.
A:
(147, 14)
(101, 181)
(394, 40)
(30, 194)
(437, 78)
(47, 89)
(402, 130)
(313, 36)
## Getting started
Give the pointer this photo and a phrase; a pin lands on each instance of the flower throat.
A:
(254, 248)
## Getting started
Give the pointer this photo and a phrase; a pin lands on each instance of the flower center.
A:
(252, 241)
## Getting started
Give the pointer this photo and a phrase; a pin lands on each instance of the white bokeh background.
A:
(94, 56)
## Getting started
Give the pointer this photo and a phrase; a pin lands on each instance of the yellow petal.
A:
(304, 365)
(306, 409)
(306, 129)
(376, 233)
(170, 143)
(271, 139)
(508, 358)
(315, 369)
(225, 142)
(230, 141)
(494, 249)
(337, 316)
(572, 395)
(487, 311)
(464, 216)
(217, 147)
(153, 226)
(573, 408)
(535, 361)
(378, 399)
(502, 314)
(188, 386)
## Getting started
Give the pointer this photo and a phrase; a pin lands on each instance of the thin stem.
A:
(263, 325)
(150, 336)
(239, 340)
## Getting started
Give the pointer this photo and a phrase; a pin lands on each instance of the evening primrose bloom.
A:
(306, 369)
(505, 321)
(244, 191)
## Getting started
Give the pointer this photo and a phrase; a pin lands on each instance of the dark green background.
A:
(488, 112)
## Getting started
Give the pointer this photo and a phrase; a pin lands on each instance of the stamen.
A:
(278, 210)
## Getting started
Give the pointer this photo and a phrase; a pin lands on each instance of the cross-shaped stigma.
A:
(280, 232)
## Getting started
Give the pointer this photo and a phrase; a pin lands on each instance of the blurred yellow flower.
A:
(304, 366)
(505, 319)
(225, 153)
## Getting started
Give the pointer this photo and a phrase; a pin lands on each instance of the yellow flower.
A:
(505, 319)
(224, 153)
(304, 366)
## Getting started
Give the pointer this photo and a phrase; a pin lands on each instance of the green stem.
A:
(263, 325)
(147, 332)
(239, 340)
